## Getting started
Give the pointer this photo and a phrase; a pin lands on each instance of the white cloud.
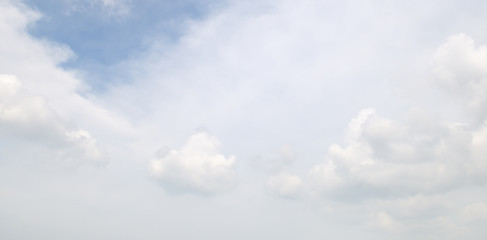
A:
(460, 68)
(197, 166)
(282, 68)
(384, 157)
(259, 75)
(25, 117)
(403, 171)
(48, 100)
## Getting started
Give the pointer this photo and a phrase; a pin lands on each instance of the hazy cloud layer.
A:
(285, 185)
(392, 94)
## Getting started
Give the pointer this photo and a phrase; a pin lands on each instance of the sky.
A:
(225, 119)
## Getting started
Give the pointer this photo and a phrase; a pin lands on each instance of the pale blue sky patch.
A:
(104, 33)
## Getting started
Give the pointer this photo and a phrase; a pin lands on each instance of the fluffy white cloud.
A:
(403, 171)
(421, 154)
(36, 63)
(384, 157)
(45, 103)
(197, 166)
(27, 118)
(460, 68)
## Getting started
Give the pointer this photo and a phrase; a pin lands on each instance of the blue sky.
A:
(131, 119)
(102, 36)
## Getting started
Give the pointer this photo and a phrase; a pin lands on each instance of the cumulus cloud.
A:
(403, 170)
(26, 115)
(385, 157)
(26, 118)
(460, 68)
(197, 166)
(421, 154)
(35, 63)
